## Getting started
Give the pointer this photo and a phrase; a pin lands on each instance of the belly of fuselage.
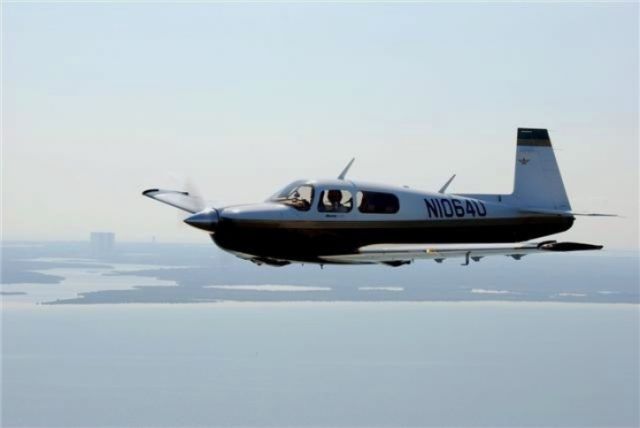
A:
(304, 240)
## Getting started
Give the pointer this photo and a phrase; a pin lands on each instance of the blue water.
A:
(310, 364)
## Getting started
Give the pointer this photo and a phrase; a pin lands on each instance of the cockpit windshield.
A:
(297, 195)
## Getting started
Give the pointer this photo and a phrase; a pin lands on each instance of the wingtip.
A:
(146, 192)
(570, 246)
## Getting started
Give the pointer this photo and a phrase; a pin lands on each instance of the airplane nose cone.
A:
(205, 220)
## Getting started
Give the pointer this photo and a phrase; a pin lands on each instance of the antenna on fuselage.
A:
(343, 174)
(444, 188)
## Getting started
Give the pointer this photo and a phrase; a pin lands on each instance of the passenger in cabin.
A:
(335, 198)
(332, 202)
(365, 205)
(377, 202)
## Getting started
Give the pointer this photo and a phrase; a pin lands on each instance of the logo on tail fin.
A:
(524, 161)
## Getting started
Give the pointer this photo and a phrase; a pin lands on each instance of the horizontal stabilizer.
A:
(175, 198)
(563, 212)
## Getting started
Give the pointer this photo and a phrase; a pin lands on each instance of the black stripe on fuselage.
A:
(306, 240)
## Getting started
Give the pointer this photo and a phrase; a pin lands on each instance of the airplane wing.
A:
(175, 198)
(399, 254)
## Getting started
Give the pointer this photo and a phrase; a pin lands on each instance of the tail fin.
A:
(538, 182)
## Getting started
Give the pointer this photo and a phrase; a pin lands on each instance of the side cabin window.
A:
(335, 201)
(299, 197)
(378, 203)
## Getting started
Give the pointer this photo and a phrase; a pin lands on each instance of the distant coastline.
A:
(144, 273)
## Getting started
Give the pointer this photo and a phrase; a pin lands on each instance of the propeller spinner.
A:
(206, 219)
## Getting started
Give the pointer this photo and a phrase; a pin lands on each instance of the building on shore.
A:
(102, 244)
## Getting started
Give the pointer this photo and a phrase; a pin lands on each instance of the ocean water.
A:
(185, 335)
(321, 364)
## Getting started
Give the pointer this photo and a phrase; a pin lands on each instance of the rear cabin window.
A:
(335, 201)
(378, 203)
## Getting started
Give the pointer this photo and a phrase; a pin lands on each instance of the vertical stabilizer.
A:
(538, 182)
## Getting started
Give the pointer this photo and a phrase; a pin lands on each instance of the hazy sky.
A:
(103, 100)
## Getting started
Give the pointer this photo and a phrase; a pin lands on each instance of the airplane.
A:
(340, 221)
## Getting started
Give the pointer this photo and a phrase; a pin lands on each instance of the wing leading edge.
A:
(396, 255)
